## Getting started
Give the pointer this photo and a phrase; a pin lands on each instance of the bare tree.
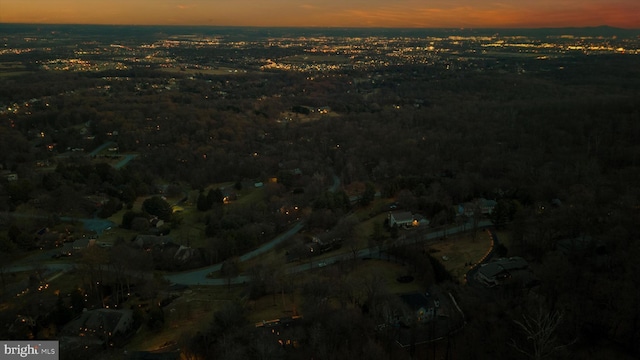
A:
(345, 230)
(93, 262)
(128, 265)
(540, 330)
(4, 269)
(230, 269)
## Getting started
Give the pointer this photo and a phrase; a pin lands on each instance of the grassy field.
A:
(457, 252)
(504, 237)
(271, 307)
(193, 311)
(188, 314)
(389, 272)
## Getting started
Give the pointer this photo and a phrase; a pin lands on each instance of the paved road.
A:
(199, 276)
(374, 252)
(336, 184)
(97, 150)
(271, 244)
(124, 160)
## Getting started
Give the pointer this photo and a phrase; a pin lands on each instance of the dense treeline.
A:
(554, 141)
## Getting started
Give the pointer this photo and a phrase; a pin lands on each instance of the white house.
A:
(487, 206)
(9, 175)
(484, 206)
(400, 218)
(83, 243)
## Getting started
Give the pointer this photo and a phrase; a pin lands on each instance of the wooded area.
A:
(556, 146)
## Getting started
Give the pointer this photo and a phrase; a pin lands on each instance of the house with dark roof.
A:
(480, 206)
(422, 305)
(83, 243)
(487, 206)
(146, 242)
(100, 325)
(400, 218)
(498, 271)
(425, 317)
(9, 176)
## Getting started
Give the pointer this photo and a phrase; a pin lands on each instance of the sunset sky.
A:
(338, 13)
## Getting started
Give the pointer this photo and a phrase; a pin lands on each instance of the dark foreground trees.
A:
(157, 206)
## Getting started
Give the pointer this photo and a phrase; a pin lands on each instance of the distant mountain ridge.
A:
(593, 31)
(256, 32)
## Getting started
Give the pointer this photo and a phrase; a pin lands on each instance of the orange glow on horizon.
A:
(328, 13)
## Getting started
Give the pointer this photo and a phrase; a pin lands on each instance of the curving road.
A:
(199, 276)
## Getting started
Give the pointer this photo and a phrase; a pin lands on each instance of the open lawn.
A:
(456, 253)
(504, 238)
(188, 314)
(193, 311)
(389, 273)
(271, 307)
(191, 228)
(365, 229)
(249, 196)
(275, 257)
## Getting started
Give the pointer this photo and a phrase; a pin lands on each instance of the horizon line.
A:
(331, 27)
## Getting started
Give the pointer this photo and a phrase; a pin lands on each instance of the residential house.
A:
(499, 271)
(10, 176)
(482, 205)
(419, 220)
(487, 206)
(146, 242)
(467, 209)
(228, 195)
(101, 325)
(400, 218)
(425, 317)
(423, 307)
(81, 244)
